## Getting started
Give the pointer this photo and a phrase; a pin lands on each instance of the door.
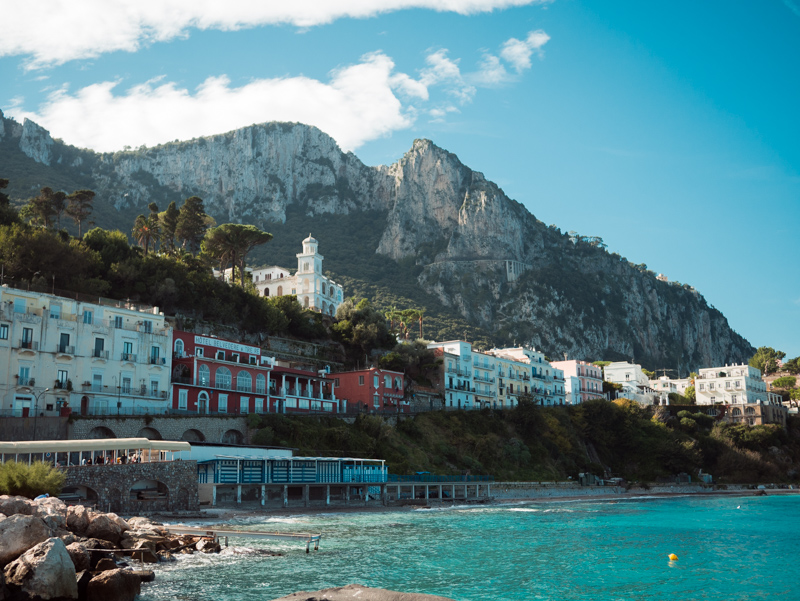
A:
(63, 343)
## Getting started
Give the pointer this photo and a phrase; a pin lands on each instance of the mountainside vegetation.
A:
(532, 443)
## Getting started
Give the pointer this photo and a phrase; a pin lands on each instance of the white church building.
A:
(313, 290)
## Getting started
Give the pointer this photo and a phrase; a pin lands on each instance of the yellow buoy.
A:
(673, 557)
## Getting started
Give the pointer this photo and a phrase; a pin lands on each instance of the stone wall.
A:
(173, 427)
(34, 428)
(113, 484)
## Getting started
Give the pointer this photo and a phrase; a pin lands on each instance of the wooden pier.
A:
(216, 533)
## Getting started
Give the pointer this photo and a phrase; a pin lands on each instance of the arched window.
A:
(305, 302)
(266, 291)
(179, 347)
(280, 290)
(244, 382)
(736, 411)
(749, 411)
(223, 378)
(397, 383)
(323, 287)
(261, 384)
(203, 375)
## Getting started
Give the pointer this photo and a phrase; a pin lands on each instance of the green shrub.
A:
(30, 480)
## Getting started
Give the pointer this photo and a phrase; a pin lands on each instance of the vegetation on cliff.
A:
(531, 443)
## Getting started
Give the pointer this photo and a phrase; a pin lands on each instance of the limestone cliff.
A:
(566, 294)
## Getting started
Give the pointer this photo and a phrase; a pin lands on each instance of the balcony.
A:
(29, 345)
(157, 360)
(63, 385)
(64, 349)
(129, 357)
(26, 381)
(99, 354)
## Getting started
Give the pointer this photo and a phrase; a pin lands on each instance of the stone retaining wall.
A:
(537, 490)
(113, 484)
(175, 427)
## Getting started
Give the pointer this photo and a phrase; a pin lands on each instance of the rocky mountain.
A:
(452, 240)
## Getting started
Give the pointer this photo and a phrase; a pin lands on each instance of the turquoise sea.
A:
(728, 548)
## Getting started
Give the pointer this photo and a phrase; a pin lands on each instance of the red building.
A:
(211, 375)
(371, 390)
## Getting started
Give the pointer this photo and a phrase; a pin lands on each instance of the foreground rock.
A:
(18, 533)
(362, 593)
(43, 572)
(116, 585)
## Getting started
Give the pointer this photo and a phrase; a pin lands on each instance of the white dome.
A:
(310, 239)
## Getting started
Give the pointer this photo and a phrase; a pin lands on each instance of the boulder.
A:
(166, 556)
(78, 519)
(11, 505)
(66, 536)
(145, 556)
(105, 564)
(119, 585)
(79, 556)
(103, 527)
(83, 579)
(139, 523)
(207, 546)
(19, 533)
(43, 572)
(123, 525)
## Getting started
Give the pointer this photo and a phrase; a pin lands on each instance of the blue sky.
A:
(669, 129)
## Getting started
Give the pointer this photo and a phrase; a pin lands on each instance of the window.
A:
(118, 321)
(376, 401)
(244, 382)
(727, 385)
(147, 326)
(4, 331)
(360, 380)
(27, 337)
(280, 290)
(222, 403)
(97, 382)
(387, 381)
(266, 291)
(738, 384)
(153, 387)
(261, 384)
(24, 375)
(63, 376)
(203, 375)
(223, 378)
(713, 399)
(733, 398)
(127, 351)
(221, 355)
(259, 405)
(711, 385)
(701, 386)
(20, 305)
(126, 385)
(398, 384)
(375, 381)
(198, 351)
(87, 316)
(244, 404)
(183, 399)
(234, 357)
(55, 311)
(99, 346)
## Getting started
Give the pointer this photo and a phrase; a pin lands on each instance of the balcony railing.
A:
(26, 381)
(128, 357)
(29, 344)
(65, 349)
(99, 354)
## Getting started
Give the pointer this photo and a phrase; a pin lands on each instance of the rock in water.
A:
(19, 533)
(362, 593)
(43, 572)
(116, 585)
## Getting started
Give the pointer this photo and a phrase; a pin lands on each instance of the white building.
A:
(95, 358)
(457, 378)
(730, 385)
(313, 290)
(635, 384)
(547, 385)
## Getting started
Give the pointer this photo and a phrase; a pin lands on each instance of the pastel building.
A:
(372, 389)
(216, 376)
(635, 384)
(61, 355)
(583, 381)
(541, 380)
(455, 381)
(730, 385)
(313, 290)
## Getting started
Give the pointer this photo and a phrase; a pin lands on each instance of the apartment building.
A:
(635, 384)
(372, 389)
(455, 380)
(547, 384)
(60, 355)
(730, 385)
(583, 381)
(212, 375)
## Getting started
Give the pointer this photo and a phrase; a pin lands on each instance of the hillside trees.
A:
(169, 225)
(79, 207)
(192, 223)
(361, 328)
(230, 243)
(146, 230)
(766, 359)
(8, 214)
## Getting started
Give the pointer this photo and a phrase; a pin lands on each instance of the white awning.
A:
(94, 444)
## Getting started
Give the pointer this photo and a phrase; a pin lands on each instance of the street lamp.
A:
(36, 410)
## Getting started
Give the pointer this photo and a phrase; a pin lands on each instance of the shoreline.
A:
(222, 514)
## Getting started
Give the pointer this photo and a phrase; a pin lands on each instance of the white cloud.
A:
(518, 52)
(357, 104)
(442, 70)
(491, 72)
(51, 32)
